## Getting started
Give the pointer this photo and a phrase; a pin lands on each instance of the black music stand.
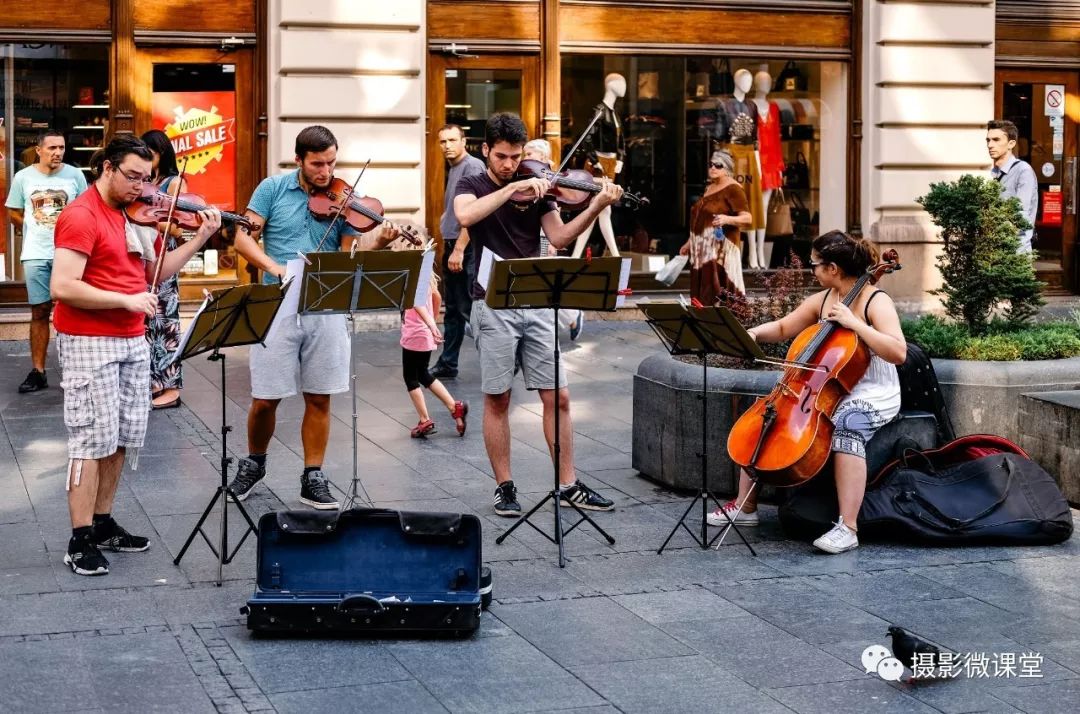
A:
(344, 283)
(232, 317)
(551, 284)
(702, 331)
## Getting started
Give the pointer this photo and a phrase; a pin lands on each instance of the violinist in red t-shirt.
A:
(100, 272)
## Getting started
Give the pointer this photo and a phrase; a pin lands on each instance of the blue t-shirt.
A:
(41, 198)
(290, 228)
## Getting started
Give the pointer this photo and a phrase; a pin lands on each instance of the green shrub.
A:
(1002, 341)
(980, 268)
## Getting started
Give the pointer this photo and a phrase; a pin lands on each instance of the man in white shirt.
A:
(38, 194)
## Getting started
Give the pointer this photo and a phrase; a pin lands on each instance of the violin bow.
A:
(345, 198)
(160, 262)
(577, 144)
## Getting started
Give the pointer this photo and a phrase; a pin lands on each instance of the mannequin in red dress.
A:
(771, 158)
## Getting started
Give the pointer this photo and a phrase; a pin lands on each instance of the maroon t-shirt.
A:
(509, 232)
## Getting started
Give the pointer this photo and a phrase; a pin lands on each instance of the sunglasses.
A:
(716, 165)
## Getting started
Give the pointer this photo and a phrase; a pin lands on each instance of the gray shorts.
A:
(855, 423)
(310, 357)
(511, 339)
(106, 383)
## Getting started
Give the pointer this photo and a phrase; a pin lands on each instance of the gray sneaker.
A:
(248, 473)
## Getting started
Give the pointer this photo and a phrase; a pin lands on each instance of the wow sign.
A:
(202, 127)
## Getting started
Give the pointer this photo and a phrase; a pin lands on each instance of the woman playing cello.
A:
(837, 261)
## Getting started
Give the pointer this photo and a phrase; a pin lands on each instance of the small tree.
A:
(980, 266)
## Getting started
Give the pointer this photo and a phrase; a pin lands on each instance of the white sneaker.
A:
(717, 517)
(838, 540)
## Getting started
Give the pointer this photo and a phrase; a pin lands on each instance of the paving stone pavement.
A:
(620, 629)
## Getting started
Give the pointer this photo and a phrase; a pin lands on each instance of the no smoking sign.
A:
(1054, 100)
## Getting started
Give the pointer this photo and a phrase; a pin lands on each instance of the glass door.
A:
(466, 91)
(1045, 106)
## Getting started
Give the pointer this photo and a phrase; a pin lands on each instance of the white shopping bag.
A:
(671, 270)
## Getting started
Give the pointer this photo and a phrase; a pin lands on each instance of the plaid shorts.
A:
(106, 383)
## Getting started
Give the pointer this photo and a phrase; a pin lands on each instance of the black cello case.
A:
(367, 571)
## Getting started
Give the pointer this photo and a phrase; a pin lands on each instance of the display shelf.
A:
(88, 127)
(89, 106)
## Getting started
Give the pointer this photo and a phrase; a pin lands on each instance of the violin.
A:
(152, 208)
(572, 189)
(785, 438)
(362, 213)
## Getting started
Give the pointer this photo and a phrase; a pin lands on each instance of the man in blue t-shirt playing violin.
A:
(309, 354)
(506, 338)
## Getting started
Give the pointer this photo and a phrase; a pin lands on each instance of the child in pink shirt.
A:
(419, 336)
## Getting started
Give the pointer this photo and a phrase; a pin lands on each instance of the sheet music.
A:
(294, 273)
(624, 280)
(186, 337)
(423, 283)
(487, 263)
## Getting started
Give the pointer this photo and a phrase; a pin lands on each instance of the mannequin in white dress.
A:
(610, 132)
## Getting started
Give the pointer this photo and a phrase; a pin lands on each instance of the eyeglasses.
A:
(815, 264)
(716, 165)
(133, 180)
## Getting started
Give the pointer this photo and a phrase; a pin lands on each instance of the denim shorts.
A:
(106, 383)
(311, 356)
(511, 339)
(38, 273)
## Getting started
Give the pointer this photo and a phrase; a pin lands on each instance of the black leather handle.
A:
(360, 602)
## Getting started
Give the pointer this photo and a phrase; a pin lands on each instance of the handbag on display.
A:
(720, 80)
(791, 79)
(797, 173)
(778, 223)
(802, 227)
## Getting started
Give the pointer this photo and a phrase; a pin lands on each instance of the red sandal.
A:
(422, 429)
(461, 409)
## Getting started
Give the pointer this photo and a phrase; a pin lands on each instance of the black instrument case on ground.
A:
(367, 571)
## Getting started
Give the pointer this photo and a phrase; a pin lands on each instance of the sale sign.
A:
(202, 128)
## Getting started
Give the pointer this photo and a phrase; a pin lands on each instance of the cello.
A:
(784, 438)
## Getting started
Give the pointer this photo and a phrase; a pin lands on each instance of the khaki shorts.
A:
(106, 383)
(508, 340)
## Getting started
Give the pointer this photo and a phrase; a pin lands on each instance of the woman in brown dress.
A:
(715, 245)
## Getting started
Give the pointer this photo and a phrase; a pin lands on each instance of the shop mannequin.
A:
(605, 140)
(738, 127)
(770, 158)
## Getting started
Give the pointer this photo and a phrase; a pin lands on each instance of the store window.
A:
(783, 122)
(48, 86)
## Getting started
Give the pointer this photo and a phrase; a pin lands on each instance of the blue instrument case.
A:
(367, 571)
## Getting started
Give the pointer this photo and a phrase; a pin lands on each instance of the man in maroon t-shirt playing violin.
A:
(100, 273)
(509, 339)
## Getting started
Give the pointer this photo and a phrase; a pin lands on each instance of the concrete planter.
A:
(982, 397)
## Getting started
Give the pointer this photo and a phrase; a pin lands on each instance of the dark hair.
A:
(120, 146)
(314, 139)
(46, 134)
(851, 255)
(158, 142)
(446, 127)
(507, 127)
(1006, 126)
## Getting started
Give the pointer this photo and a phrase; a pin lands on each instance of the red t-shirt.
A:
(89, 226)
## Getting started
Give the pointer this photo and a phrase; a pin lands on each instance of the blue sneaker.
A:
(575, 327)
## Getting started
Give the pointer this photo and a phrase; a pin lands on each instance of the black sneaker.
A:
(248, 473)
(34, 381)
(584, 497)
(315, 491)
(506, 503)
(85, 558)
(443, 372)
(110, 535)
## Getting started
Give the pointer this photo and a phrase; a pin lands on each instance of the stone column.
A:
(928, 84)
(358, 69)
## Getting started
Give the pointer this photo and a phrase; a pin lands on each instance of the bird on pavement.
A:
(906, 645)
